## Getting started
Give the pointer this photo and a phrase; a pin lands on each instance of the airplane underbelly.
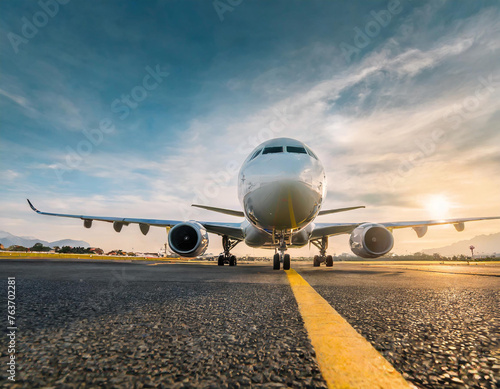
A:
(257, 238)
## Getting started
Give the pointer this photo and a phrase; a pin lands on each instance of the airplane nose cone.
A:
(282, 191)
(283, 205)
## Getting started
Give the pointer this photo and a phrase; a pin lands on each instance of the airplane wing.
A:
(329, 211)
(436, 222)
(220, 210)
(232, 230)
(329, 229)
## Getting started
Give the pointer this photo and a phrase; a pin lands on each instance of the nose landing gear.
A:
(281, 256)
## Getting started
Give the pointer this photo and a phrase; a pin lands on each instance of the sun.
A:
(438, 206)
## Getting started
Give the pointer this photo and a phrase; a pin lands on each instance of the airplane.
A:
(281, 187)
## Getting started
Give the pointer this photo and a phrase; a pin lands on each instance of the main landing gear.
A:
(322, 245)
(226, 256)
(281, 256)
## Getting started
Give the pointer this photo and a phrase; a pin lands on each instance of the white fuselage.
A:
(281, 186)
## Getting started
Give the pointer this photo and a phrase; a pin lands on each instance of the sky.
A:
(139, 109)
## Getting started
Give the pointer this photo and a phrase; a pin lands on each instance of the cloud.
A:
(20, 100)
(9, 175)
(372, 122)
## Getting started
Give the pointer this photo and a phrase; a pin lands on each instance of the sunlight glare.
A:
(438, 206)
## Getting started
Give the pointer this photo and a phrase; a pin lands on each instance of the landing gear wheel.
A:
(226, 257)
(286, 262)
(322, 245)
(276, 261)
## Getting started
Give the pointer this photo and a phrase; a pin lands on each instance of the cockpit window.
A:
(295, 149)
(272, 150)
(255, 154)
(309, 151)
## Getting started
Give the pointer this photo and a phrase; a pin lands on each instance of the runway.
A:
(142, 324)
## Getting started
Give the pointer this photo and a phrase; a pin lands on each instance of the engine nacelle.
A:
(188, 239)
(371, 240)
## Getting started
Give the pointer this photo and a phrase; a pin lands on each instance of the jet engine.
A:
(370, 240)
(188, 239)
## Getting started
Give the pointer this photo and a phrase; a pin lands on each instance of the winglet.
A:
(32, 207)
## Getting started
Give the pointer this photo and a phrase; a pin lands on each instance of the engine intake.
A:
(188, 239)
(370, 240)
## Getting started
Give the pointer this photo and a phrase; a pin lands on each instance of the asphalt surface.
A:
(107, 324)
(437, 325)
(133, 325)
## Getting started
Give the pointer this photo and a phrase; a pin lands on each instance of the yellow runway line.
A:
(345, 358)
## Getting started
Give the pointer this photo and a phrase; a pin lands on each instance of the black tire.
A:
(286, 262)
(329, 261)
(316, 261)
(220, 261)
(232, 260)
(276, 262)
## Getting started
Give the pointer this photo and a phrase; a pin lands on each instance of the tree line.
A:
(39, 247)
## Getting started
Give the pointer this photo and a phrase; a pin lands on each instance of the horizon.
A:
(141, 109)
(427, 251)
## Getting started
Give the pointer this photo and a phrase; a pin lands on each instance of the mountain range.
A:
(8, 239)
(484, 244)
